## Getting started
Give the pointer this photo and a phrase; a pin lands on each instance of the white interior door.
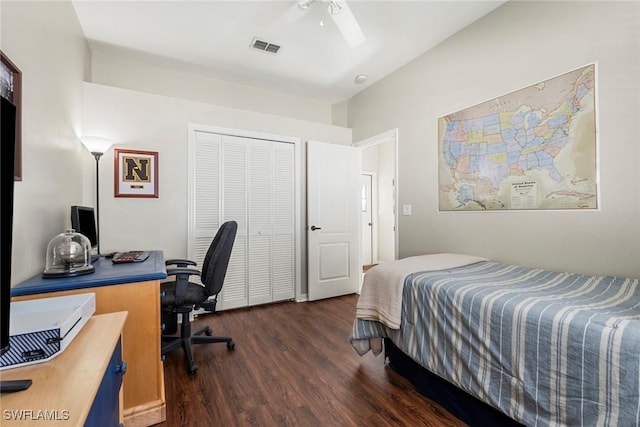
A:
(333, 219)
(366, 207)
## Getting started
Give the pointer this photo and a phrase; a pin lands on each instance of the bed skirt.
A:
(459, 403)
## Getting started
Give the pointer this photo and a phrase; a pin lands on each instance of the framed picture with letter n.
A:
(136, 173)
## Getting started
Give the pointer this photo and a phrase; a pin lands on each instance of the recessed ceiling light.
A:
(360, 78)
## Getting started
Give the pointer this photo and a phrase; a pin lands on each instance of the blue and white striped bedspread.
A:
(545, 348)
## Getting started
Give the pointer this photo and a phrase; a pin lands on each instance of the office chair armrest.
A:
(182, 282)
(179, 262)
(182, 272)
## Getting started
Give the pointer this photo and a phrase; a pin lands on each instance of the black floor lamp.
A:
(97, 146)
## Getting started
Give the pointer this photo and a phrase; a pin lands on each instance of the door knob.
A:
(314, 228)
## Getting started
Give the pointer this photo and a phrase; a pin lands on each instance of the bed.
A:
(541, 347)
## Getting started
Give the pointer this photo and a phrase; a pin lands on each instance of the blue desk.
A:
(106, 273)
(134, 288)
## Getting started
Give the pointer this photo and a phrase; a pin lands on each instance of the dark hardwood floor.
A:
(292, 366)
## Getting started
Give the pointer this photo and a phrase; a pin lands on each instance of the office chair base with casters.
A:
(187, 339)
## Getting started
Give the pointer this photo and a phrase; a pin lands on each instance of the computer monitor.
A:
(83, 220)
(7, 145)
(7, 161)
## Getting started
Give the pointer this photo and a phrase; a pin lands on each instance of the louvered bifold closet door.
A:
(271, 222)
(207, 195)
(283, 276)
(260, 221)
(234, 207)
(220, 195)
(250, 181)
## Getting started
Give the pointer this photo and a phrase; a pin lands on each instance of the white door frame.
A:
(389, 136)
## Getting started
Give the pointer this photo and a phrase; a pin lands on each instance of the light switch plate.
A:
(406, 210)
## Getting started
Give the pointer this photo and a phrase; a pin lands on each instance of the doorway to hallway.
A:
(378, 198)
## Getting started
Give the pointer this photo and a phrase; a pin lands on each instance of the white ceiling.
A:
(214, 37)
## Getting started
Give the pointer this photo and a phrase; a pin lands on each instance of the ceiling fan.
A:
(342, 17)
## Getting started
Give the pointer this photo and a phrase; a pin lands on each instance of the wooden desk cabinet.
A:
(79, 387)
(143, 385)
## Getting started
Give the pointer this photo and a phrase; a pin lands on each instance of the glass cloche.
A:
(68, 254)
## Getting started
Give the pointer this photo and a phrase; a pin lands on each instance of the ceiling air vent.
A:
(264, 46)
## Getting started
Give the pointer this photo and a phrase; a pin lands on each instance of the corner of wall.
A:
(339, 114)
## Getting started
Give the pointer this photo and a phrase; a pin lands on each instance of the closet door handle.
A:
(314, 228)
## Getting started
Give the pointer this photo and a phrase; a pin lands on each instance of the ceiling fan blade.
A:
(346, 22)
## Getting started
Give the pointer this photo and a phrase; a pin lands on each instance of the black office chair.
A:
(182, 296)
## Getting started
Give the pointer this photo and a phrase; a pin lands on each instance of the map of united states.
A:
(543, 135)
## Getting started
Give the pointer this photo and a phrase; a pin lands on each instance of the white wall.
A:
(146, 73)
(45, 41)
(519, 44)
(142, 121)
